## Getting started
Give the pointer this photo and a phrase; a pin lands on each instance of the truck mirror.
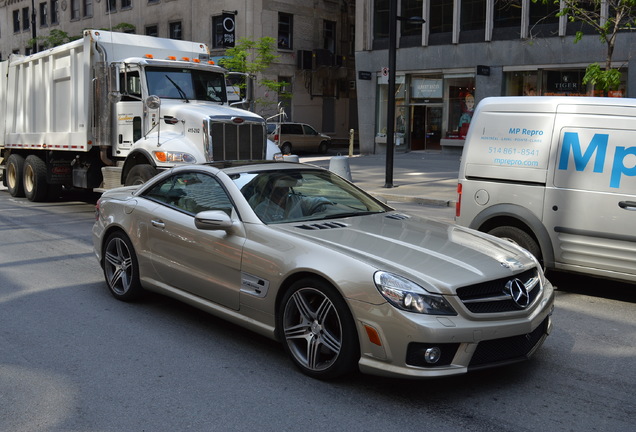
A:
(153, 102)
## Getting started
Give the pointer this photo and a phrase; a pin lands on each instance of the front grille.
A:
(490, 296)
(230, 141)
(507, 350)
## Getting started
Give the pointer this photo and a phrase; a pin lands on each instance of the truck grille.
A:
(230, 141)
(493, 297)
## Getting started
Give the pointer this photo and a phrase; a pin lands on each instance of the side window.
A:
(309, 130)
(192, 192)
(295, 129)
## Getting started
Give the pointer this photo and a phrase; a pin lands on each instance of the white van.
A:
(557, 175)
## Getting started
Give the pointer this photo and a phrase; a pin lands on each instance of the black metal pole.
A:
(390, 110)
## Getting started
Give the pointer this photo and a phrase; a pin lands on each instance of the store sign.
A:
(428, 88)
(228, 30)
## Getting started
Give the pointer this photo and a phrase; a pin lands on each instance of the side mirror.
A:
(114, 95)
(213, 220)
(153, 102)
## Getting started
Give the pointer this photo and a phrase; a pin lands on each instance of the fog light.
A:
(432, 355)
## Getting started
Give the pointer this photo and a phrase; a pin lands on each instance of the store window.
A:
(521, 83)
(460, 93)
(381, 109)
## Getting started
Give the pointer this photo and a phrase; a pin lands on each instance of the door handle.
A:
(158, 224)
(627, 205)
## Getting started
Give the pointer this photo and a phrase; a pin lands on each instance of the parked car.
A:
(293, 137)
(298, 254)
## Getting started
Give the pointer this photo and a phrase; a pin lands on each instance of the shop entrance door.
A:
(426, 127)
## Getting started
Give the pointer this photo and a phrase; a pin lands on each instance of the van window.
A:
(291, 128)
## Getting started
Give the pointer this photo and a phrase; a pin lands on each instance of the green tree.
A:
(55, 38)
(607, 18)
(253, 57)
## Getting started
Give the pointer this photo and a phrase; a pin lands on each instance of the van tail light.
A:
(276, 138)
(458, 205)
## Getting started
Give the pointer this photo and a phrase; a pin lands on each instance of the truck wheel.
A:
(35, 186)
(286, 148)
(324, 147)
(518, 237)
(14, 171)
(140, 174)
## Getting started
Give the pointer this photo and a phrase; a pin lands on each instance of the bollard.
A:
(340, 165)
(291, 158)
(351, 138)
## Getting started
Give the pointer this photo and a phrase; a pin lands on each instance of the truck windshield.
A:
(187, 84)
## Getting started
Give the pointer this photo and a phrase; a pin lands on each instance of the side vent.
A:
(322, 226)
(398, 216)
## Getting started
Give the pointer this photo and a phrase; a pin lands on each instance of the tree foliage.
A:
(253, 57)
(606, 18)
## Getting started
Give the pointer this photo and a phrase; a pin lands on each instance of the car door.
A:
(590, 211)
(201, 262)
(311, 139)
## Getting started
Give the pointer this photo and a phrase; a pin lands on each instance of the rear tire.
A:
(14, 173)
(35, 186)
(140, 174)
(324, 147)
(519, 237)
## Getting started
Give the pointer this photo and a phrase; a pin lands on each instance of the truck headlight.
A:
(180, 157)
(409, 296)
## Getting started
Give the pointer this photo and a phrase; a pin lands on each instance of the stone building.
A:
(314, 42)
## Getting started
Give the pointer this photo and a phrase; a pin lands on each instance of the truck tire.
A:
(519, 237)
(35, 186)
(14, 172)
(140, 174)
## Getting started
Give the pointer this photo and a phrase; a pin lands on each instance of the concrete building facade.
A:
(465, 51)
(314, 42)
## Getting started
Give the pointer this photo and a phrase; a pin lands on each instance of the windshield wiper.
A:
(179, 89)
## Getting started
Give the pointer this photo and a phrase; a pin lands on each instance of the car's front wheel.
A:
(318, 330)
(121, 268)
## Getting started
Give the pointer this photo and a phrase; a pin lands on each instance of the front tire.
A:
(35, 185)
(323, 148)
(286, 148)
(140, 174)
(318, 330)
(14, 172)
(519, 237)
(121, 268)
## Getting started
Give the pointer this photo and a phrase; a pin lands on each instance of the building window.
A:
(16, 21)
(75, 9)
(329, 36)
(111, 6)
(440, 22)
(175, 30)
(411, 9)
(43, 14)
(126, 4)
(88, 8)
(507, 19)
(217, 31)
(285, 30)
(543, 19)
(472, 23)
(54, 11)
(26, 20)
(152, 30)
(381, 19)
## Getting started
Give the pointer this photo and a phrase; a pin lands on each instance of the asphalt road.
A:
(72, 358)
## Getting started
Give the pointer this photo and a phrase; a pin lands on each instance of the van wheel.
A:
(324, 147)
(519, 237)
(35, 186)
(14, 172)
(286, 148)
(140, 174)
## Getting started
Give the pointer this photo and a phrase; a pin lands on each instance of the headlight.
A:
(162, 156)
(409, 296)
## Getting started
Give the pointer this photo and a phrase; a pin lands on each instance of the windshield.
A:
(303, 195)
(186, 84)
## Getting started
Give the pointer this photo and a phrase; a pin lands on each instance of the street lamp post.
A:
(390, 110)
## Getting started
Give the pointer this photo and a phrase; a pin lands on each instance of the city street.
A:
(72, 358)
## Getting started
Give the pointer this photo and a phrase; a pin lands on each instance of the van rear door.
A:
(590, 209)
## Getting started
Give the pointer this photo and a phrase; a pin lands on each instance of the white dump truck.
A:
(114, 108)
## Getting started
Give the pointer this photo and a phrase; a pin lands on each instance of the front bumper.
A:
(466, 343)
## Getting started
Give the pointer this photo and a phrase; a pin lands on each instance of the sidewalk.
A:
(418, 176)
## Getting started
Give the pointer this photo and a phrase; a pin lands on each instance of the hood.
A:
(197, 110)
(443, 255)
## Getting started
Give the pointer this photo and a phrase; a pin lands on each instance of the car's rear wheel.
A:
(15, 173)
(518, 237)
(121, 268)
(318, 330)
(286, 148)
